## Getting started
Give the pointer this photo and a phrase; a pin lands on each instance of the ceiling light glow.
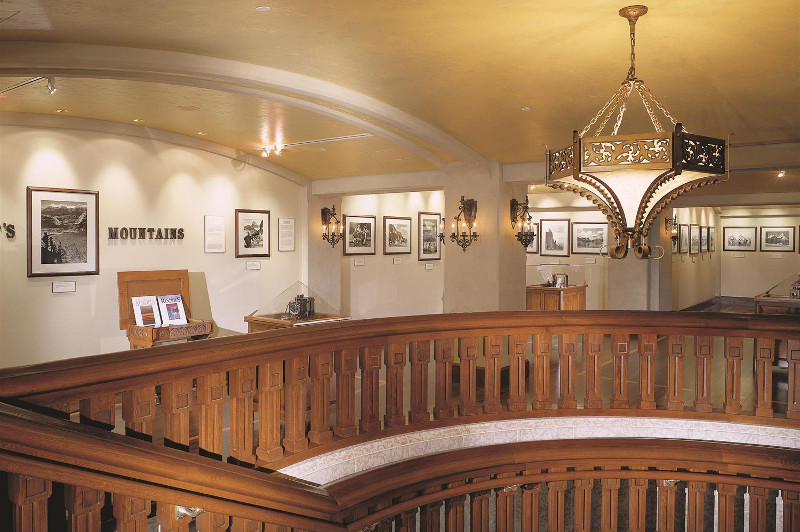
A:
(263, 9)
(781, 174)
(51, 85)
(202, 133)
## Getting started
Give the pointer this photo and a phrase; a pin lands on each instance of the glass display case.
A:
(783, 298)
(296, 306)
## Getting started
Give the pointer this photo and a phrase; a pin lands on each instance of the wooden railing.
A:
(292, 394)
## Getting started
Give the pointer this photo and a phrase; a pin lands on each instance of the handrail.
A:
(86, 456)
(68, 379)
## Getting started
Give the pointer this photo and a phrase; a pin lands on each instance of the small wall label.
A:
(61, 287)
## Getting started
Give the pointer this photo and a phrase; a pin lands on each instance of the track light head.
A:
(51, 85)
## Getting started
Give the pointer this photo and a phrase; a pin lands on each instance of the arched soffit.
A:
(355, 459)
(328, 99)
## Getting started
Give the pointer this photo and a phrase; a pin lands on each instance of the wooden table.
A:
(539, 297)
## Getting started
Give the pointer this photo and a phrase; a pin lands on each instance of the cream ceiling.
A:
(452, 77)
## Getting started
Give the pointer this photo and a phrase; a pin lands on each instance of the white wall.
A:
(142, 183)
(694, 277)
(756, 272)
(380, 287)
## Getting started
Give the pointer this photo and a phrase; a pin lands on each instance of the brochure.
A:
(145, 310)
(172, 311)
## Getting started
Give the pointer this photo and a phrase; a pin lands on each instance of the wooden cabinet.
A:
(552, 298)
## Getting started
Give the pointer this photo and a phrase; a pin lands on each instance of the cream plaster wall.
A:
(142, 183)
(381, 288)
(755, 272)
(694, 277)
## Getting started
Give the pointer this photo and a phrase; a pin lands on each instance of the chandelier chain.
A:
(623, 107)
(661, 107)
(608, 114)
(653, 118)
(608, 104)
(632, 70)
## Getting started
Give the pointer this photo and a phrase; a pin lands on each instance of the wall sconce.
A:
(469, 227)
(519, 213)
(332, 229)
(441, 231)
(671, 224)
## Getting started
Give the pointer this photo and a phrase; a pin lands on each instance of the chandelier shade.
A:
(632, 178)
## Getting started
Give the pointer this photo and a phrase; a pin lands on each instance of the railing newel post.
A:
(296, 439)
(518, 357)
(648, 346)
(370, 362)
(443, 349)
(542, 342)
(593, 363)
(467, 375)
(492, 351)
(419, 356)
(345, 363)
(270, 391)
(568, 349)
(321, 368)
(703, 352)
(620, 351)
(764, 355)
(395, 360)
(675, 353)
(733, 374)
(241, 391)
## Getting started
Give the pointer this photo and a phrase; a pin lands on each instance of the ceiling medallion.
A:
(632, 178)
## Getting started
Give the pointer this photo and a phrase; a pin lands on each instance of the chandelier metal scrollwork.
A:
(633, 177)
(519, 214)
(332, 228)
(465, 220)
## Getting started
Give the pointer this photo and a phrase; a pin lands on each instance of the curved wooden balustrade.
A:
(296, 393)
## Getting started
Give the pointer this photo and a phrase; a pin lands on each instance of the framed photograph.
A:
(703, 239)
(560, 280)
(534, 245)
(694, 239)
(252, 233)
(738, 239)
(777, 238)
(683, 238)
(428, 228)
(555, 238)
(63, 236)
(589, 238)
(359, 235)
(712, 239)
(396, 235)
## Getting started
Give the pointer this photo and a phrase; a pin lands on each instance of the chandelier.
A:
(632, 178)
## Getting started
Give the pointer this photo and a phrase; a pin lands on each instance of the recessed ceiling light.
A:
(188, 108)
(781, 174)
(525, 108)
(61, 110)
(262, 9)
(202, 133)
(137, 120)
(323, 149)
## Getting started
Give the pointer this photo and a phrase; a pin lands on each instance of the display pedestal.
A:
(538, 297)
(156, 283)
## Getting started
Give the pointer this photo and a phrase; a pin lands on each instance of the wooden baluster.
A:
(609, 504)
(517, 355)
(99, 411)
(211, 522)
(395, 360)
(28, 497)
(733, 374)
(295, 439)
(677, 349)
(270, 390)
(321, 372)
(443, 355)
(637, 505)
(176, 402)
(583, 504)
(593, 353)
(764, 354)
(758, 509)
(791, 510)
(666, 505)
(530, 507)
(541, 371)
(556, 510)
(620, 350)
(454, 514)
(138, 411)
(83, 508)
(270, 527)
(345, 363)
(479, 511)
(568, 348)
(131, 513)
(703, 353)
(793, 356)
(647, 371)
(697, 492)
(242, 391)
(406, 521)
(429, 517)
(492, 351)
(504, 504)
(726, 499)
(240, 524)
(419, 355)
(169, 520)
(468, 386)
(370, 360)
(211, 397)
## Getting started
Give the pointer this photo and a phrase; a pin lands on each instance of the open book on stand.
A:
(145, 310)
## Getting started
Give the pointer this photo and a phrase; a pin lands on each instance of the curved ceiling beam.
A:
(85, 60)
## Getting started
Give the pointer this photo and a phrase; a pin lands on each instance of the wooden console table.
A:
(538, 297)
